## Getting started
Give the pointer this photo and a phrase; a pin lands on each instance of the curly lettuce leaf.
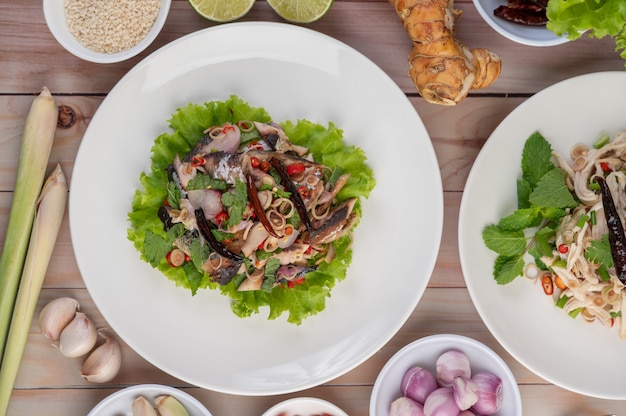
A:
(188, 123)
(599, 18)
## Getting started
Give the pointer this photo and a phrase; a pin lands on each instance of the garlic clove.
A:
(418, 383)
(452, 364)
(170, 406)
(78, 337)
(441, 403)
(56, 315)
(103, 363)
(405, 406)
(142, 407)
(489, 391)
(465, 394)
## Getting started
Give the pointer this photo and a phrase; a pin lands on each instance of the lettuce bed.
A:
(188, 124)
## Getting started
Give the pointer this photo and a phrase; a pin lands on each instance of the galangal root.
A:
(442, 68)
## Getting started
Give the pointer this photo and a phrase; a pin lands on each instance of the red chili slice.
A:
(295, 168)
(546, 283)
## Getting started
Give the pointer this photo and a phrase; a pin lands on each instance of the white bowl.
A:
(120, 402)
(304, 406)
(54, 14)
(525, 35)
(424, 352)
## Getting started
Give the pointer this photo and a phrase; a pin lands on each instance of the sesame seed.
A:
(110, 26)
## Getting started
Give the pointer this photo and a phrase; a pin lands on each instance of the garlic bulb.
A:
(103, 363)
(452, 364)
(489, 391)
(78, 337)
(56, 315)
(142, 407)
(170, 406)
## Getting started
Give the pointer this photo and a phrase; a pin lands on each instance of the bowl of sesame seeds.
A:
(105, 31)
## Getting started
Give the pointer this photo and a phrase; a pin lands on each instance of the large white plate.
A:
(587, 359)
(294, 73)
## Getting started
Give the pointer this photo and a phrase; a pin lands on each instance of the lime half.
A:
(300, 11)
(221, 10)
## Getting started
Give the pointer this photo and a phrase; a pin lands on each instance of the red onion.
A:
(418, 383)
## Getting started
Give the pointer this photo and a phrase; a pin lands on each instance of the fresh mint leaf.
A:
(552, 191)
(523, 193)
(270, 274)
(536, 159)
(506, 243)
(236, 202)
(600, 252)
(507, 268)
(202, 181)
(552, 214)
(520, 219)
(155, 248)
(543, 241)
(173, 195)
(199, 253)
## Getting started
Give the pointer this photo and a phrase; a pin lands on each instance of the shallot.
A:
(452, 364)
(418, 383)
(405, 406)
(489, 392)
(441, 403)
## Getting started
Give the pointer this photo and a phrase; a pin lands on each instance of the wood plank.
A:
(536, 400)
(526, 69)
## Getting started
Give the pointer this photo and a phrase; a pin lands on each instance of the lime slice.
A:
(300, 11)
(221, 10)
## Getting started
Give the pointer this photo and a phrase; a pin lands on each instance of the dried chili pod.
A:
(253, 196)
(295, 195)
(617, 238)
(205, 230)
(522, 17)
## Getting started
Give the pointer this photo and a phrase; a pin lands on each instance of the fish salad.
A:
(263, 212)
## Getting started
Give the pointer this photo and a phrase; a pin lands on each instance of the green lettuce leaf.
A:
(598, 18)
(146, 229)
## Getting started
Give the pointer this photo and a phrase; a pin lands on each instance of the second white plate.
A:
(587, 359)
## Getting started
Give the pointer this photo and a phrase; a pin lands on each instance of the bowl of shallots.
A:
(445, 374)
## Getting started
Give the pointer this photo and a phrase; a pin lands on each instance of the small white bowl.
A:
(54, 13)
(424, 352)
(525, 35)
(304, 406)
(120, 402)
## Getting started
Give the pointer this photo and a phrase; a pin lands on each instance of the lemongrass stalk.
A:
(48, 217)
(37, 138)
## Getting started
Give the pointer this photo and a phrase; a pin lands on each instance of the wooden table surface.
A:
(30, 58)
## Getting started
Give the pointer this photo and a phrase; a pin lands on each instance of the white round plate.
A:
(294, 73)
(587, 359)
(120, 402)
(525, 35)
